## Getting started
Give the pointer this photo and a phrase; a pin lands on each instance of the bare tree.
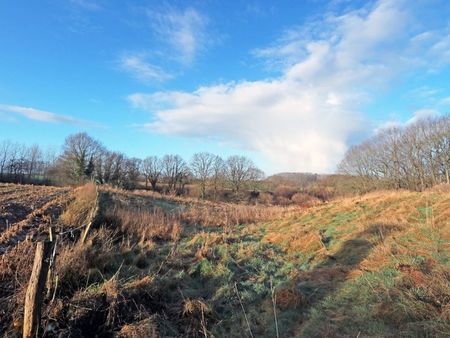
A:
(239, 171)
(416, 156)
(79, 150)
(175, 171)
(151, 169)
(5, 150)
(255, 177)
(34, 155)
(117, 170)
(131, 173)
(202, 165)
(218, 175)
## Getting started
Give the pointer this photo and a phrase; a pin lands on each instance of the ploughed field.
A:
(27, 210)
(376, 265)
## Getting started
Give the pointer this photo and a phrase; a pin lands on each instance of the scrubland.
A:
(376, 265)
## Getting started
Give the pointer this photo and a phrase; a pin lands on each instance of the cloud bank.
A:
(303, 119)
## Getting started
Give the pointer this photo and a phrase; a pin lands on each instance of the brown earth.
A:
(27, 210)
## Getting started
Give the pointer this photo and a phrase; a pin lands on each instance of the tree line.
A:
(24, 164)
(416, 156)
(84, 158)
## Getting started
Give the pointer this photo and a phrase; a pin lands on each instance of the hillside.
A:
(368, 266)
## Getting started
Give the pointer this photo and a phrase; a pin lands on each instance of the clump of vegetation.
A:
(144, 224)
(80, 210)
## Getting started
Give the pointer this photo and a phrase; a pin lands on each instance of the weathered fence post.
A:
(34, 295)
(52, 261)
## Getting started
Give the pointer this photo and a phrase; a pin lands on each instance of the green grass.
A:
(365, 282)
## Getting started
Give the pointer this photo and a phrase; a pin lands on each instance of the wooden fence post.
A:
(35, 289)
(52, 261)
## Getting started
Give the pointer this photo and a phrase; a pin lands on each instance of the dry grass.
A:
(80, 209)
(226, 215)
(166, 266)
(15, 269)
(289, 297)
(144, 224)
(377, 236)
(143, 328)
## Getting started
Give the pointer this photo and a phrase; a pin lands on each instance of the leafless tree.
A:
(131, 172)
(34, 156)
(5, 149)
(151, 169)
(239, 170)
(79, 150)
(255, 177)
(218, 175)
(202, 166)
(416, 156)
(175, 171)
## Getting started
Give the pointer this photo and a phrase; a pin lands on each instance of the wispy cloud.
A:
(181, 36)
(286, 51)
(303, 119)
(445, 101)
(40, 115)
(183, 30)
(138, 67)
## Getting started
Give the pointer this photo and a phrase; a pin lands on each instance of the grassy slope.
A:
(376, 265)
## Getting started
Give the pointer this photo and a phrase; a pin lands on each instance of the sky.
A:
(290, 84)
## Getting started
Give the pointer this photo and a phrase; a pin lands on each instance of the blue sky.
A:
(289, 83)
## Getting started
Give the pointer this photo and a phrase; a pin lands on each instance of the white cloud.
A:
(418, 115)
(137, 66)
(445, 101)
(422, 114)
(303, 119)
(39, 115)
(287, 51)
(184, 31)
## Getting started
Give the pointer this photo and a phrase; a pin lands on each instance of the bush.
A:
(285, 191)
(281, 200)
(265, 198)
(305, 200)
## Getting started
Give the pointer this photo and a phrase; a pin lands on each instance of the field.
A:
(376, 265)
(26, 210)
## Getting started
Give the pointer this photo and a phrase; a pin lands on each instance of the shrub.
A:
(265, 198)
(305, 200)
(281, 200)
(285, 191)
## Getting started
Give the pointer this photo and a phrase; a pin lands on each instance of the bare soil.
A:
(27, 210)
